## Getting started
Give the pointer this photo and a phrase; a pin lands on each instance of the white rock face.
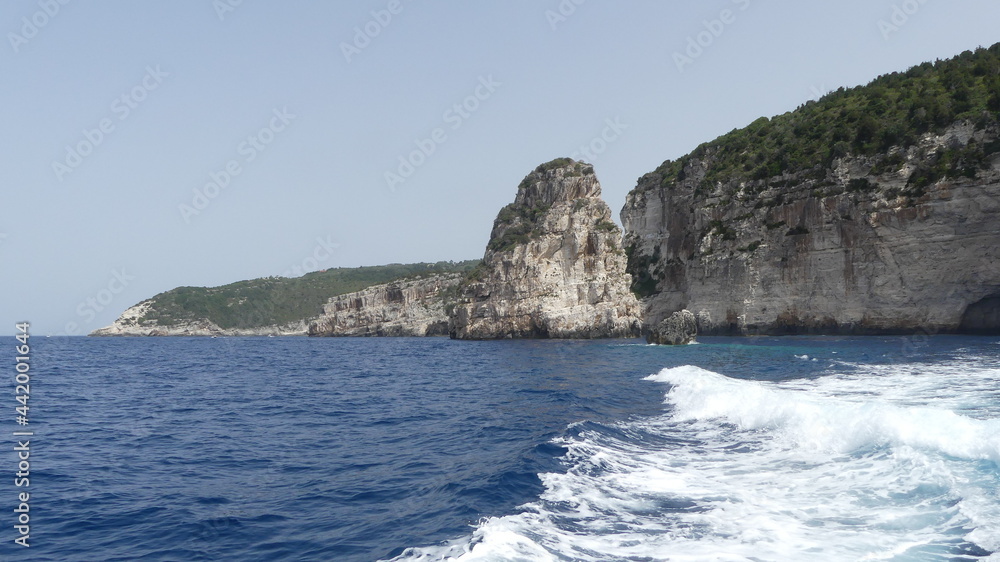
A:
(133, 322)
(413, 307)
(811, 254)
(554, 267)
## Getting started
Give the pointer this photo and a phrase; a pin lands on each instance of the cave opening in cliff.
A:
(982, 317)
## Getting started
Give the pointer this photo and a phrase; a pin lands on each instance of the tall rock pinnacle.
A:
(554, 266)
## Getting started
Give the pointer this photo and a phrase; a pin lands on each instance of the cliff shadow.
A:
(982, 317)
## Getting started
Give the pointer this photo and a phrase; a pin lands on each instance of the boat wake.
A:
(888, 463)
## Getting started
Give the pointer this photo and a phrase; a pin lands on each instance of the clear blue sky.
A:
(93, 219)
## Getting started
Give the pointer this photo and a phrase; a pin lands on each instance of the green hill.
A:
(278, 300)
(894, 110)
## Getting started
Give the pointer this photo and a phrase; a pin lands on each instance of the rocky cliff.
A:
(415, 307)
(903, 240)
(554, 266)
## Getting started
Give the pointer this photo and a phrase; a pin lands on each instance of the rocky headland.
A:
(141, 320)
(554, 266)
(280, 306)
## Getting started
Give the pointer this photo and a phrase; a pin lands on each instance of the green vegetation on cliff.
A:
(893, 110)
(888, 142)
(278, 300)
(519, 222)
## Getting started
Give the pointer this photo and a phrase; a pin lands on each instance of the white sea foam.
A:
(818, 420)
(894, 463)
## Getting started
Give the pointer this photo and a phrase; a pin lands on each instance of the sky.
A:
(150, 145)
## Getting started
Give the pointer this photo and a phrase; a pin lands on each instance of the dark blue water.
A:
(348, 449)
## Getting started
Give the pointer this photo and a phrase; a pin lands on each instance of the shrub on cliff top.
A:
(553, 164)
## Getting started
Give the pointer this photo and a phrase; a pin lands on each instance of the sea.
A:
(427, 449)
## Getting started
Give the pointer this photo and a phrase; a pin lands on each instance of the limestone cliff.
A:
(866, 245)
(554, 266)
(414, 307)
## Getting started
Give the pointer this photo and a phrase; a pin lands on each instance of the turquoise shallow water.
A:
(430, 449)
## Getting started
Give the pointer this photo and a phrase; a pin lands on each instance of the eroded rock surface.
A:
(680, 328)
(554, 266)
(856, 248)
(415, 307)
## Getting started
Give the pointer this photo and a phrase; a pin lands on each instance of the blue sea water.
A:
(821, 448)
